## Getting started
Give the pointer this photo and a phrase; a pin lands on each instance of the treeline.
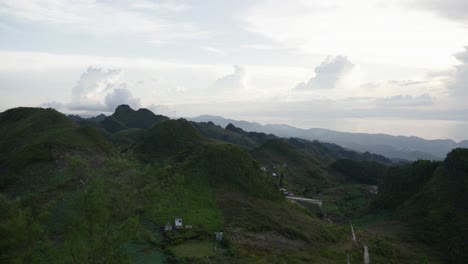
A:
(433, 197)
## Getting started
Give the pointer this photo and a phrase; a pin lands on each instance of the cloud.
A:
(328, 73)
(106, 18)
(163, 110)
(364, 30)
(405, 101)
(120, 96)
(98, 90)
(214, 50)
(458, 80)
(148, 5)
(451, 9)
(234, 81)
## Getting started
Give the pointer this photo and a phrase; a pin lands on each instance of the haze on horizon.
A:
(398, 67)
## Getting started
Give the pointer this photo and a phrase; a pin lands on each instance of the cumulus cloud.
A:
(99, 90)
(458, 81)
(451, 9)
(328, 74)
(120, 96)
(234, 81)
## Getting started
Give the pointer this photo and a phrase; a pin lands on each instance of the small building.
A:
(178, 222)
(373, 189)
(168, 227)
(284, 191)
(218, 236)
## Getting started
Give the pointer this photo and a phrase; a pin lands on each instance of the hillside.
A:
(398, 147)
(73, 194)
(432, 198)
(35, 142)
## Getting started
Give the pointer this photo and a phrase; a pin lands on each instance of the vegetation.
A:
(74, 193)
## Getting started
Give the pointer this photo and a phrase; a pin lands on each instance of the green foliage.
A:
(365, 172)
(230, 166)
(127, 138)
(125, 117)
(402, 182)
(218, 133)
(433, 197)
(304, 173)
(169, 138)
(32, 136)
(22, 236)
(70, 199)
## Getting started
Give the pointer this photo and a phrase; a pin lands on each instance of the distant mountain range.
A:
(396, 147)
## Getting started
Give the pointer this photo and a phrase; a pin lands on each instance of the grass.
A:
(345, 202)
(180, 194)
(194, 249)
(140, 252)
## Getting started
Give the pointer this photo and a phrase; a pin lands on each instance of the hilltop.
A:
(104, 189)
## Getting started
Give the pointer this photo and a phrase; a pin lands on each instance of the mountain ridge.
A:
(398, 147)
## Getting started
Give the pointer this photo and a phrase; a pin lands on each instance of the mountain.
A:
(398, 147)
(72, 192)
(124, 117)
(432, 197)
(308, 165)
(141, 118)
(35, 143)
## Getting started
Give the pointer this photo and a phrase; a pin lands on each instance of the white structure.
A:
(178, 222)
(168, 227)
(373, 189)
(188, 227)
(274, 174)
(219, 236)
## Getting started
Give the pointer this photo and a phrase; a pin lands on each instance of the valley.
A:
(136, 187)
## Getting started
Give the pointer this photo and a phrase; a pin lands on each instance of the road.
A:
(307, 200)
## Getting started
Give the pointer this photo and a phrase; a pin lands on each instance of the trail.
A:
(307, 200)
(352, 232)
(366, 255)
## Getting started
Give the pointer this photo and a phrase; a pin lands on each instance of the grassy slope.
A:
(35, 142)
(304, 173)
(211, 186)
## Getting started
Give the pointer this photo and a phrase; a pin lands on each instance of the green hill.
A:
(303, 173)
(68, 196)
(432, 197)
(35, 141)
(141, 118)
(128, 138)
(168, 138)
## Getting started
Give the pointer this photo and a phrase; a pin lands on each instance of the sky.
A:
(398, 66)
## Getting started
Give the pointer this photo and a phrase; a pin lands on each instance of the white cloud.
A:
(458, 82)
(148, 5)
(452, 9)
(214, 50)
(104, 18)
(238, 80)
(405, 101)
(120, 96)
(98, 90)
(365, 30)
(329, 73)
